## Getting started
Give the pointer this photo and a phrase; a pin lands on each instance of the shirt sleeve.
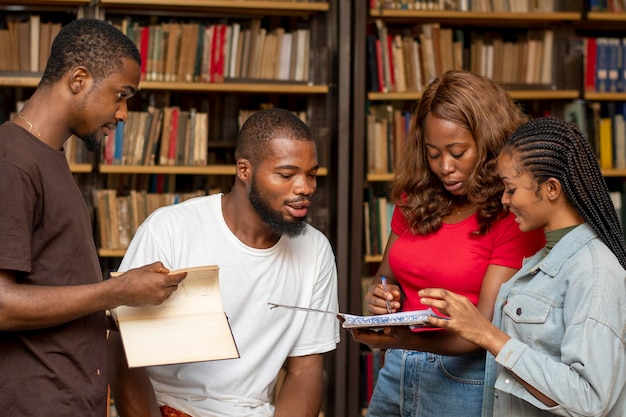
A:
(511, 245)
(19, 214)
(398, 222)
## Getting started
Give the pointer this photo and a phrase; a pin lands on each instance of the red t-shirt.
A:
(454, 258)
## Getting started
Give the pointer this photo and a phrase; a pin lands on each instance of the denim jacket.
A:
(566, 315)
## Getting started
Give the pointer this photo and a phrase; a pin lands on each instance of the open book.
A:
(413, 319)
(189, 326)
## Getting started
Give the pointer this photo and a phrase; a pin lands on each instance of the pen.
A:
(384, 281)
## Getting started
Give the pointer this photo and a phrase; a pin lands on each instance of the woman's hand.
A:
(463, 319)
(387, 338)
(377, 298)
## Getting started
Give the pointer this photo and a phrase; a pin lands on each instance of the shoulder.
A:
(203, 207)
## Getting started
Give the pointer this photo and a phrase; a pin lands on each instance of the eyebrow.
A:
(316, 167)
(130, 89)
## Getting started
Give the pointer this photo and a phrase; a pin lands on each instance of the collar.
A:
(565, 248)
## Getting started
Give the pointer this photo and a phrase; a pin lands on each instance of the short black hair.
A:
(93, 43)
(265, 125)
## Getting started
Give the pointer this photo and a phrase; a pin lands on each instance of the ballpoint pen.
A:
(384, 281)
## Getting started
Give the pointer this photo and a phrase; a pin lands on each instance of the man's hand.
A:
(145, 286)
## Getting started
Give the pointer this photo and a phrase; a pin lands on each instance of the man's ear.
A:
(80, 78)
(244, 169)
(553, 188)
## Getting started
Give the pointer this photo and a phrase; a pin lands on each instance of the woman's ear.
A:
(553, 188)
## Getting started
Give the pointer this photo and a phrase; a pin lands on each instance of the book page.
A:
(189, 326)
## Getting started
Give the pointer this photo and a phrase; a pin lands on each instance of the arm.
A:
(376, 297)
(301, 392)
(25, 307)
(131, 388)
(443, 343)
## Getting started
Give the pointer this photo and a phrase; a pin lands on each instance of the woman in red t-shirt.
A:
(450, 230)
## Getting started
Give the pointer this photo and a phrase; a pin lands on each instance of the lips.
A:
(109, 130)
(453, 185)
(299, 209)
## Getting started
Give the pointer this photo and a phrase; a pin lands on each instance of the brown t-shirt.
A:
(46, 237)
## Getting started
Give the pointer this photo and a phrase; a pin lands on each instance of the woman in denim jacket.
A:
(557, 342)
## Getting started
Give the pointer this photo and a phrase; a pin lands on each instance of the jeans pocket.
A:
(468, 369)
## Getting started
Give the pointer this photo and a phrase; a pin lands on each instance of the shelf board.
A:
(240, 6)
(25, 80)
(162, 169)
(597, 96)
(81, 168)
(380, 177)
(614, 173)
(606, 16)
(473, 17)
(46, 2)
(372, 259)
(182, 170)
(237, 87)
(516, 94)
(111, 253)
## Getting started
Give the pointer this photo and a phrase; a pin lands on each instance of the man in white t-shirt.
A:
(266, 252)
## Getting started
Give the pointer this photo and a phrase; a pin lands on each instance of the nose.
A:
(447, 165)
(505, 199)
(305, 185)
(122, 112)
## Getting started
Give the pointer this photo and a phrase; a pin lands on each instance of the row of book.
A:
(400, 62)
(377, 213)
(172, 136)
(387, 127)
(514, 59)
(26, 44)
(604, 63)
(410, 61)
(215, 52)
(118, 217)
(611, 6)
(159, 136)
(605, 127)
(514, 6)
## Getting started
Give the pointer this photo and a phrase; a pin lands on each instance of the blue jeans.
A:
(413, 384)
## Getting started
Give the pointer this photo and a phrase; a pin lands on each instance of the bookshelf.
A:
(565, 85)
(316, 96)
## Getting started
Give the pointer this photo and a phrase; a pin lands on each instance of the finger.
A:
(433, 292)
(439, 322)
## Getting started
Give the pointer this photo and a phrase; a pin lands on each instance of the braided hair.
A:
(551, 148)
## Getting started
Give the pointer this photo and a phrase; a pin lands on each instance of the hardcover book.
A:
(190, 326)
(413, 319)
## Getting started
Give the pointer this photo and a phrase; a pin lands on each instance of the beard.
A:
(274, 219)
(91, 142)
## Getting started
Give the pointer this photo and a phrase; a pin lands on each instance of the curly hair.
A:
(488, 112)
(264, 126)
(92, 43)
(552, 148)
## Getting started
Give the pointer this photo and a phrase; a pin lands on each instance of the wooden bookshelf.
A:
(494, 19)
(224, 6)
(181, 170)
(28, 80)
(516, 94)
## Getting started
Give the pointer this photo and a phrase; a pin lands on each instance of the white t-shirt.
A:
(295, 271)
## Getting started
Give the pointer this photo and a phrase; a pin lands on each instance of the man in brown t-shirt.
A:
(53, 359)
